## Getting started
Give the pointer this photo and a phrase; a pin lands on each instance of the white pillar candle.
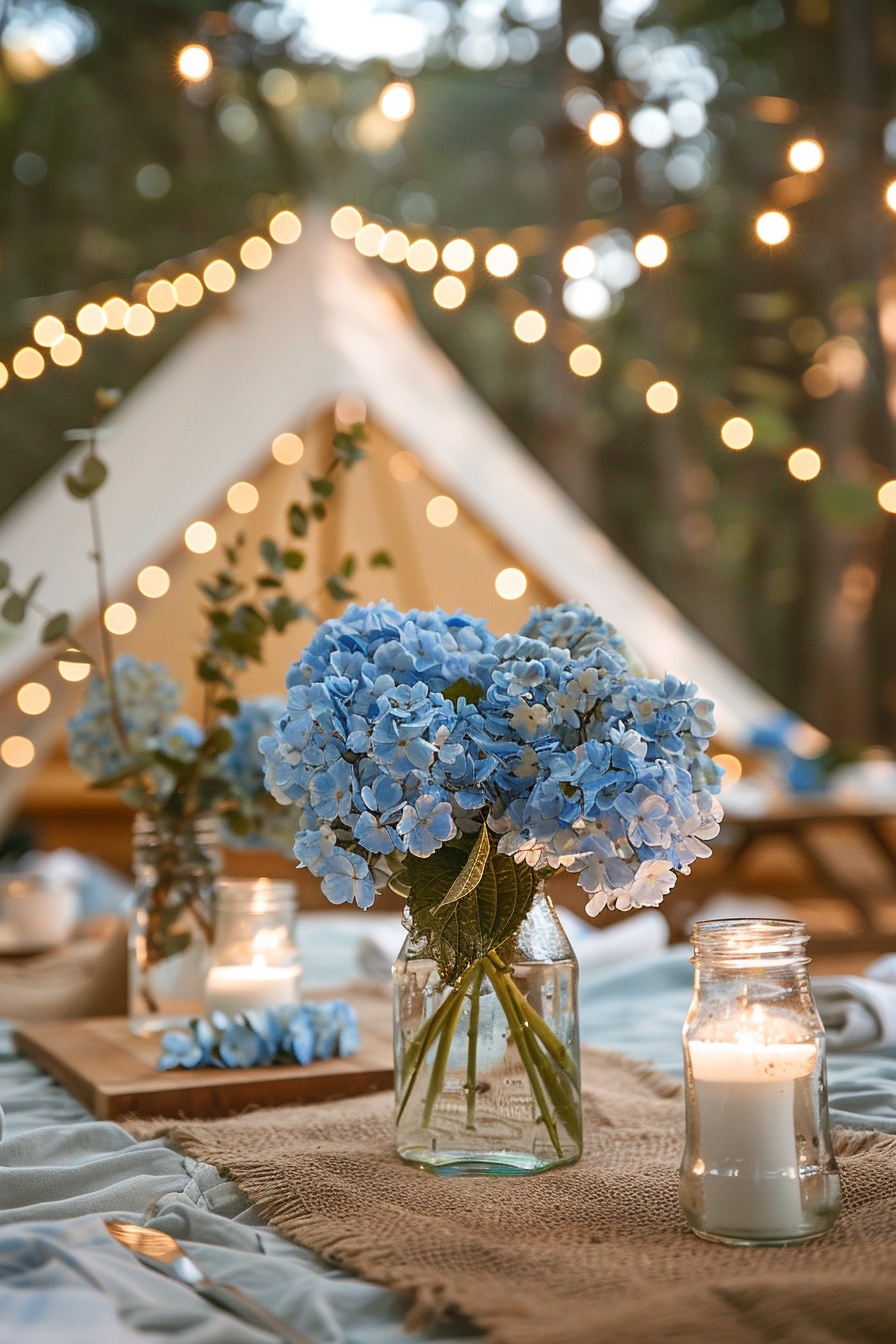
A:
(745, 1102)
(233, 989)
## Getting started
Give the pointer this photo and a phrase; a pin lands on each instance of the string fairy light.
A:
(772, 227)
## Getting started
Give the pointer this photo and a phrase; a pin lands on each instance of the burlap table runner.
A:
(588, 1253)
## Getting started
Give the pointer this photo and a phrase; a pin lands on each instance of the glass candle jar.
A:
(254, 960)
(758, 1167)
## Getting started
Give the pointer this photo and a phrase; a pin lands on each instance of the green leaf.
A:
(93, 473)
(270, 554)
(318, 511)
(337, 589)
(229, 705)
(470, 691)
(268, 581)
(293, 559)
(282, 611)
(381, 560)
(346, 449)
(208, 669)
(217, 740)
(223, 590)
(471, 874)
(5, 572)
(461, 932)
(298, 520)
(347, 568)
(13, 609)
(58, 627)
(322, 486)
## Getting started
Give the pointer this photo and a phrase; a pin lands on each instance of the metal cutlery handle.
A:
(235, 1300)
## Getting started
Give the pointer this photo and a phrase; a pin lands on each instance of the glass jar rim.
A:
(745, 942)
(256, 893)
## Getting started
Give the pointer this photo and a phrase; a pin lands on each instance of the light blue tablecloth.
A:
(64, 1281)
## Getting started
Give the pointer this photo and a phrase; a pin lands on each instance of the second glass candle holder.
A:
(254, 960)
(758, 1167)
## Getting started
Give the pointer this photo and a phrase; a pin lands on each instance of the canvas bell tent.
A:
(274, 356)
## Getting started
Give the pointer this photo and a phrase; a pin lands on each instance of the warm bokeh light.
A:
(886, 496)
(346, 222)
(731, 766)
(422, 255)
(28, 362)
(194, 62)
(737, 433)
(161, 296)
(33, 698)
(578, 262)
(285, 227)
(242, 497)
(394, 247)
(219, 276)
(350, 409)
(651, 250)
(510, 583)
(585, 360)
(772, 227)
(17, 752)
(287, 449)
(73, 671)
(891, 196)
(66, 352)
(605, 128)
(441, 511)
(188, 289)
(256, 253)
(91, 319)
(529, 327)
(404, 467)
(662, 397)
(153, 581)
(120, 618)
(458, 255)
(368, 239)
(396, 102)
(501, 260)
(48, 330)
(116, 311)
(139, 320)
(449, 292)
(805, 156)
(804, 464)
(4, 375)
(200, 538)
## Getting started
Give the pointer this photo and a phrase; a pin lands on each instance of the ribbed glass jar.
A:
(176, 861)
(758, 1167)
(487, 1070)
(254, 958)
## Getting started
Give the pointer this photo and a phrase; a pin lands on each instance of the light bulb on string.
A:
(501, 260)
(605, 128)
(194, 62)
(772, 227)
(585, 360)
(90, 319)
(805, 156)
(346, 222)
(529, 327)
(661, 397)
(256, 253)
(804, 464)
(651, 250)
(48, 331)
(285, 227)
(396, 102)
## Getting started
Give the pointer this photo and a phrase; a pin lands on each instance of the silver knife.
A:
(162, 1252)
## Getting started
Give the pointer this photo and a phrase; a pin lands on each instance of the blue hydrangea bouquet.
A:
(418, 750)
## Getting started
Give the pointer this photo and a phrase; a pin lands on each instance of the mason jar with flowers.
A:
(419, 751)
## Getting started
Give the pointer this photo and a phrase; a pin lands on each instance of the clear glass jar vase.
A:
(758, 1167)
(176, 861)
(487, 1070)
(254, 958)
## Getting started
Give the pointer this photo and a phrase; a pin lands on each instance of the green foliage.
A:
(381, 560)
(57, 627)
(91, 476)
(470, 691)
(459, 929)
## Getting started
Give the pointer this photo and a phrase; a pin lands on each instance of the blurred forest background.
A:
(113, 165)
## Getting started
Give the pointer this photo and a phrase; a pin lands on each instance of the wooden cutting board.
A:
(113, 1073)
